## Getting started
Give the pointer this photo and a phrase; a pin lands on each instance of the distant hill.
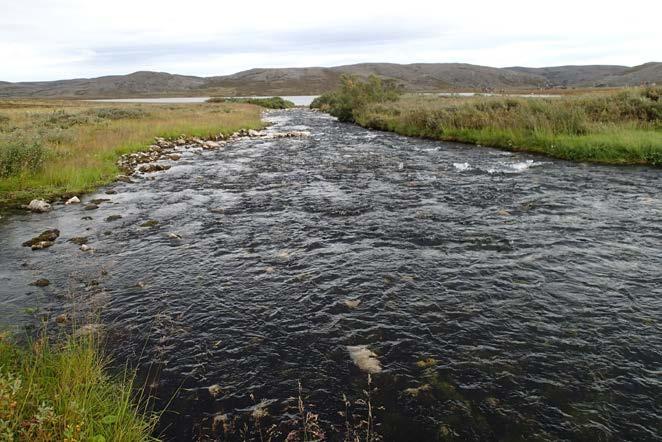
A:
(314, 80)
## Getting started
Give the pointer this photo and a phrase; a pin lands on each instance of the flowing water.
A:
(506, 296)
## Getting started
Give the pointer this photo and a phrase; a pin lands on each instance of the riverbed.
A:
(504, 295)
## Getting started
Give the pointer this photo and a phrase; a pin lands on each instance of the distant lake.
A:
(299, 100)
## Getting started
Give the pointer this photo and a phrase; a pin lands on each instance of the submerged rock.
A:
(150, 223)
(112, 218)
(414, 392)
(215, 390)
(91, 206)
(73, 200)
(39, 206)
(352, 303)
(47, 236)
(79, 240)
(364, 358)
(42, 282)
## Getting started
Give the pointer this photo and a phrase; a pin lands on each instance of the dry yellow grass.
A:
(82, 140)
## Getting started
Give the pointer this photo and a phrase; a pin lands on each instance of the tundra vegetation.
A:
(618, 127)
(61, 391)
(269, 103)
(50, 149)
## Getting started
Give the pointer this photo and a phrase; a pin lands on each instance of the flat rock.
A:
(49, 235)
(112, 218)
(79, 240)
(42, 282)
(91, 206)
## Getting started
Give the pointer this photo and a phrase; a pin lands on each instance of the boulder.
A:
(175, 157)
(39, 206)
(149, 168)
(253, 133)
(85, 248)
(47, 236)
(73, 200)
(364, 358)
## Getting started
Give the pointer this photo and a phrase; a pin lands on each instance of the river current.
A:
(506, 296)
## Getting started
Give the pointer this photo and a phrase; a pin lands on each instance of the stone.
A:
(99, 200)
(175, 157)
(111, 192)
(91, 206)
(123, 178)
(149, 168)
(215, 390)
(41, 245)
(73, 200)
(112, 218)
(253, 133)
(62, 318)
(364, 358)
(49, 236)
(79, 240)
(352, 303)
(39, 206)
(42, 282)
(150, 223)
(85, 248)
(414, 392)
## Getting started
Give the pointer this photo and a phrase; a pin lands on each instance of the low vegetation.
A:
(269, 103)
(62, 392)
(54, 148)
(623, 127)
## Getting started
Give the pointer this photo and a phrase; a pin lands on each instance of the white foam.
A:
(462, 166)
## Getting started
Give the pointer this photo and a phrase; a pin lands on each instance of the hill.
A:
(423, 77)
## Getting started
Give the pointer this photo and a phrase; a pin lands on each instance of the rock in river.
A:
(42, 282)
(39, 206)
(364, 358)
(73, 200)
(45, 239)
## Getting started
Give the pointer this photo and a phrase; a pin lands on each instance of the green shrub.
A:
(118, 114)
(19, 155)
(354, 94)
(269, 103)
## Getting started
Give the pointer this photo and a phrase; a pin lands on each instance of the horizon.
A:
(315, 67)
(91, 42)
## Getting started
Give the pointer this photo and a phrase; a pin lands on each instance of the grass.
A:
(616, 127)
(61, 391)
(50, 149)
(269, 103)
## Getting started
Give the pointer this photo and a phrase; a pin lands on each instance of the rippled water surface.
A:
(523, 295)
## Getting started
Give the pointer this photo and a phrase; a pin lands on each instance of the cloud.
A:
(78, 38)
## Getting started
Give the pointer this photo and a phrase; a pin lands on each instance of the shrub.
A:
(19, 155)
(354, 94)
(269, 103)
(118, 114)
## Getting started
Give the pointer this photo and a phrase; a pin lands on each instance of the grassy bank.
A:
(53, 148)
(269, 103)
(62, 392)
(623, 127)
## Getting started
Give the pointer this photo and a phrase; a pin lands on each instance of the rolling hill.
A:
(314, 80)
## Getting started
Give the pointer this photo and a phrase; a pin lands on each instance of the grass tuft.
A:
(62, 391)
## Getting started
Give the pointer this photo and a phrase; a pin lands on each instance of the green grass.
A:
(616, 127)
(51, 149)
(63, 392)
(269, 103)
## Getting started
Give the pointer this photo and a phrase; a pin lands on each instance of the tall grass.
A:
(623, 127)
(62, 392)
(51, 148)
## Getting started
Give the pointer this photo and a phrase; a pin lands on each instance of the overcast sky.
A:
(49, 39)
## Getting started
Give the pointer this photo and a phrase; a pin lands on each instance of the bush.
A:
(269, 103)
(118, 114)
(354, 94)
(19, 155)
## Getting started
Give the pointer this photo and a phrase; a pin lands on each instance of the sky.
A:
(58, 39)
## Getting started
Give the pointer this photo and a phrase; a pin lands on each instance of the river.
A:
(506, 296)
